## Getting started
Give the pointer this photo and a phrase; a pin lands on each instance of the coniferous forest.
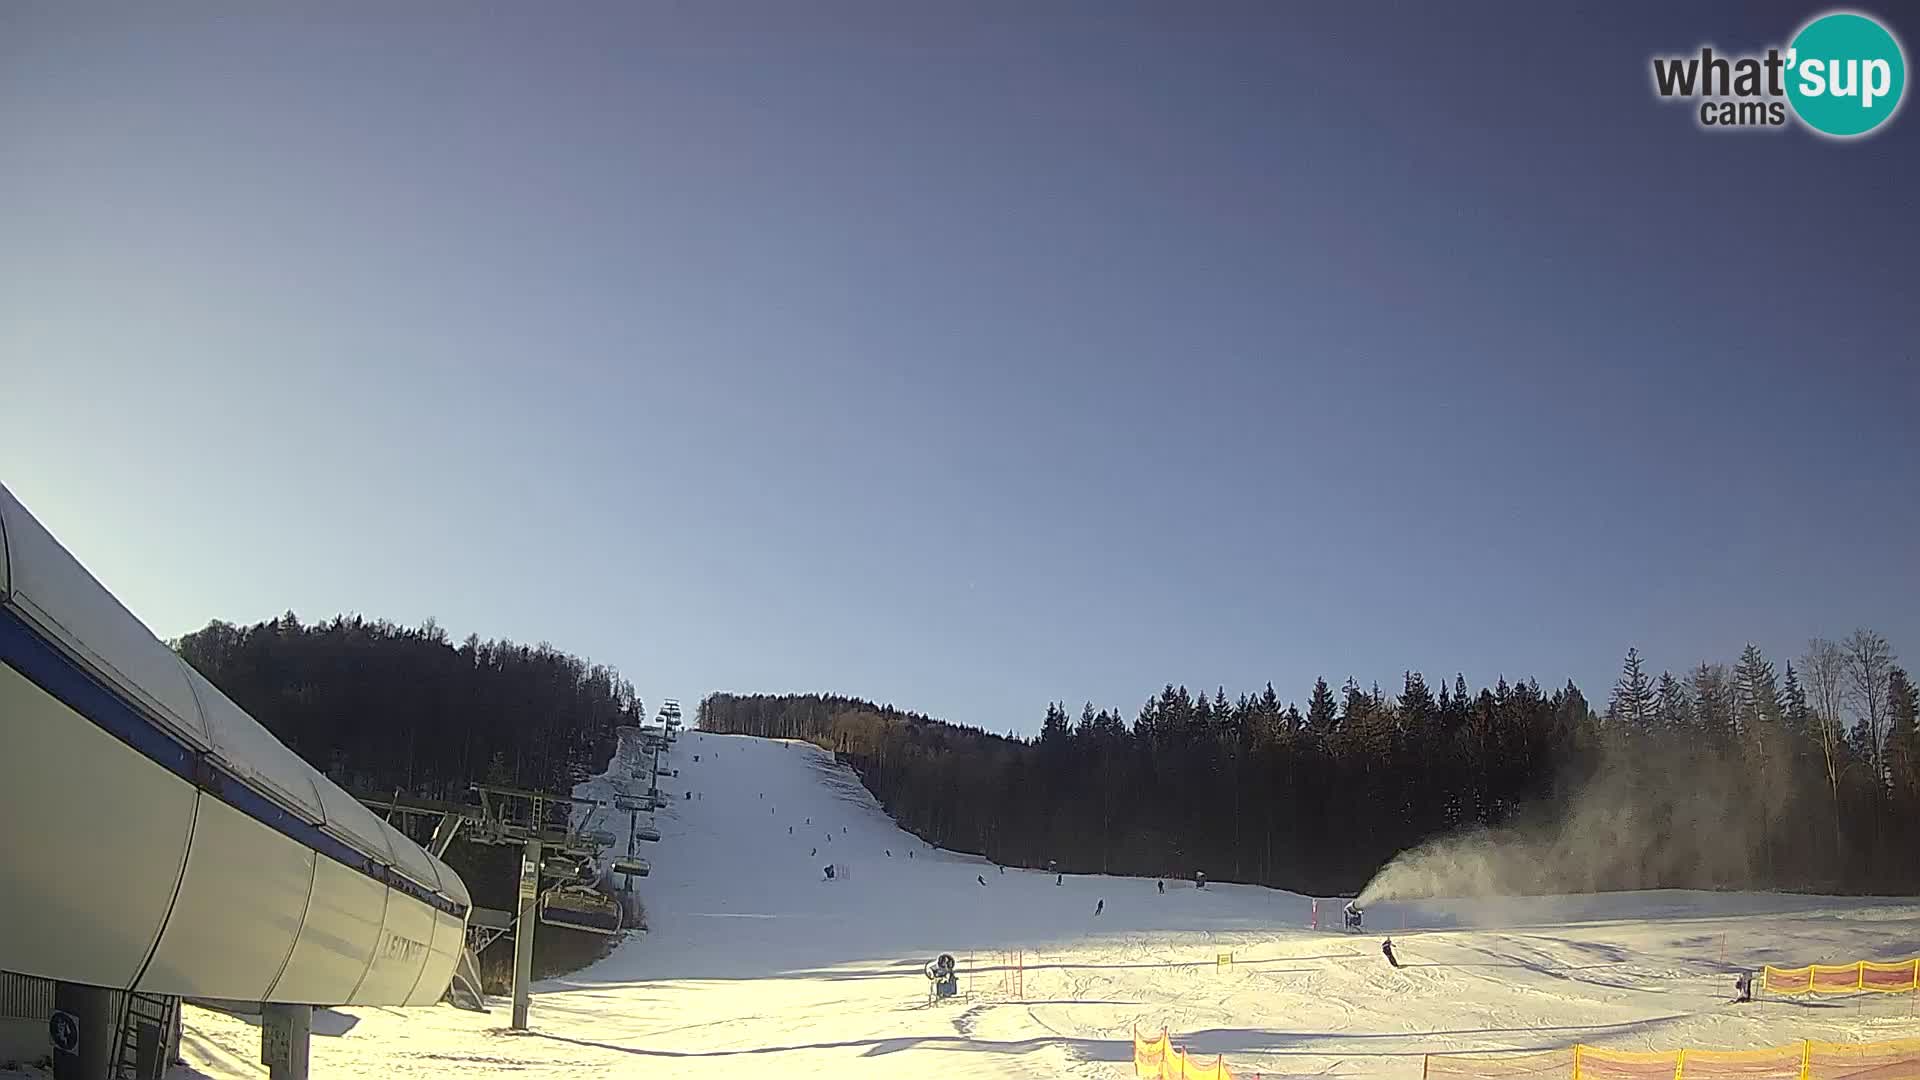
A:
(1793, 774)
(387, 708)
(1803, 775)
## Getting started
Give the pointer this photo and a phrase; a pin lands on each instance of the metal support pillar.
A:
(84, 1029)
(286, 1035)
(524, 922)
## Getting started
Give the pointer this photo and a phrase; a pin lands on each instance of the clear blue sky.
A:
(961, 355)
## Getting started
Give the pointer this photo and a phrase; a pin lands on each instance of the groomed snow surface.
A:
(756, 965)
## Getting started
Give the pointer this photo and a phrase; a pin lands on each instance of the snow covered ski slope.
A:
(756, 965)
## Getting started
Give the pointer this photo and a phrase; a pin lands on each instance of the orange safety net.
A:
(1593, 1063)
(1158, 1057)
(1895, 978)
(1895, 1060)
(1898, 1059)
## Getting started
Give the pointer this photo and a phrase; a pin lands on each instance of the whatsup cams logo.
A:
(1842, 75)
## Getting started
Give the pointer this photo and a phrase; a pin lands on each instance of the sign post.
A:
(523, 925)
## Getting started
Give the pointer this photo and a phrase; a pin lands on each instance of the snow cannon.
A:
(942, 982)
(1353, 917)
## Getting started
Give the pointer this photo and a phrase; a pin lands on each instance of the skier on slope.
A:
(1099, 906)
(981, 878)
(1386, 949)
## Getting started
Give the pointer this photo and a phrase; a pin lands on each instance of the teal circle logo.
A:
(1845, 74)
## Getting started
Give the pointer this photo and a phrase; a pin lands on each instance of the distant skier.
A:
(909, 853)
(1056, 879)
(1162, 886)
(1199, 879)
(789, 830)
(829, 869)
(1743, 988)
(1386, 950)
(811, 852)
(889, 853)
(1352, 917)
(981, 878)
(1099, 906)
(809, 821)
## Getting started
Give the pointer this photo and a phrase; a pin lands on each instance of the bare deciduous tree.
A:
(1869, 662)
(1825, 668)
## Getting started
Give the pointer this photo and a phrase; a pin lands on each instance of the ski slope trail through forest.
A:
(756, 964)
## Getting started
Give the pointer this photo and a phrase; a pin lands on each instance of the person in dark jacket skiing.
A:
(1386, 950)
(981, 878)
(1099, 906)
(1162, 886)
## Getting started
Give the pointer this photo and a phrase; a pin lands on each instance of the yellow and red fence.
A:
(1898, 1059)
(1159, 1057)
(1864, 976)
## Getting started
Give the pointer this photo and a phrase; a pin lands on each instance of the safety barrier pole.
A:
(1679, 1064)
(1576, 1061)
(1860, 976)
(1806, 1059)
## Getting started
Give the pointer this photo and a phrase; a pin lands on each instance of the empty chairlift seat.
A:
(577, 908)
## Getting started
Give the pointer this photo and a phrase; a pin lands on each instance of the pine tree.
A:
(1903, 740)
(1673, 709)
(1321, 718)
(1418, 710)
(1632, 705)
(1756, 694)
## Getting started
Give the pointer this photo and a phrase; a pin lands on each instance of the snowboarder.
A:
(811, 852)
(829, 871)
(1099, 906)
(981, 878)
(1386, 950)
(1162, 886)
